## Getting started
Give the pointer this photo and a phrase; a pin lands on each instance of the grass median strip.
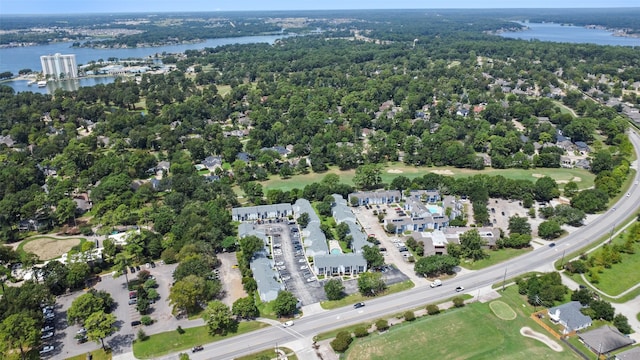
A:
(171, 341)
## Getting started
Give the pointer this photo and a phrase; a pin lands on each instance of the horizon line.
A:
(310, 10)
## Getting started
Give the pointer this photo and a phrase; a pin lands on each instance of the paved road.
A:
(309, 326)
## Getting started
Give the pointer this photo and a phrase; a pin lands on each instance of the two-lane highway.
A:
(308, 326)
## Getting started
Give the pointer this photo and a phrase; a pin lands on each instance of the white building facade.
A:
(59, 66)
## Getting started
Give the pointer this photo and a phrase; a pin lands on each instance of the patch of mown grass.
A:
(170, 341)
(479, 334)
(99, 354)
(495, 257)
(269, 354)
(357, 297)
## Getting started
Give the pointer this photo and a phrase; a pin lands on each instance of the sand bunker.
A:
(537, 175)
(528, 332)
(394, 171)
(442, 172)
(576, 179)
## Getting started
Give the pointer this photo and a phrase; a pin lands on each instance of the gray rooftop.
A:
(342, 213)
(336, 260)
(605, 339)
(631, 354)
(315, 241)
(248, 229)
(570, 314)
(265, 275)
(261, 209)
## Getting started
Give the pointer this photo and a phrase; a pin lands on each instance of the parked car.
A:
(46, 349)
(135, 323)
(133, 301)
(197, 348)
(47, 328)
(47, 335)
(133, 294)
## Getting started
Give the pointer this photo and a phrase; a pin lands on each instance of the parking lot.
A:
(392, 253)
(291, 263)
(64, 341)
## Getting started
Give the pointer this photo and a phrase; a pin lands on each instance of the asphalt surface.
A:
(308, 326)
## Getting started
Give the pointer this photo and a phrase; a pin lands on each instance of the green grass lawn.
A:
(269, 354)
(95, 355)
(611, 281)
(472, 332)
(346, 176)
(357, 297)
(170, 341)
(495, 257)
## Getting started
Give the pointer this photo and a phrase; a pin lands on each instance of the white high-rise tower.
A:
(59, 66)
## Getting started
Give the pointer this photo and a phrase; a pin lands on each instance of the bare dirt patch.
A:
(528, 332)
(231, 278)
(49, 248)
(443, 172)
(395, 171)
(576, 179)
(537, 175)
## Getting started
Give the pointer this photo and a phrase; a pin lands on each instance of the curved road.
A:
(308, 326)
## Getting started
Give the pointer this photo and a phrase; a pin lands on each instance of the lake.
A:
(16, 58)
(570, 34)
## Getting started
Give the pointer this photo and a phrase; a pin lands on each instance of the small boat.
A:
(31, 82)
(42, 83)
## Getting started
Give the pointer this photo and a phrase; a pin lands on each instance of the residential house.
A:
(7, 140)
(212, 162)
(83, 203)
(37, 223)
(243, 156)
(582, 147)
(163, 166)
(375, 197)
(282, 151)
(604, 339)
(631, 354)
(570, 316)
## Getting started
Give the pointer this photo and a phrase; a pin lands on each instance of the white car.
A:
(287, 323)
(311, 279)
(47, 328)
(304, 267)
(47, 335)
(46, 349)
(280, 263)
(460, 288)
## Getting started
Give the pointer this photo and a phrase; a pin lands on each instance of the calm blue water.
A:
(69, 85)
(570, 34)
(17, 58)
